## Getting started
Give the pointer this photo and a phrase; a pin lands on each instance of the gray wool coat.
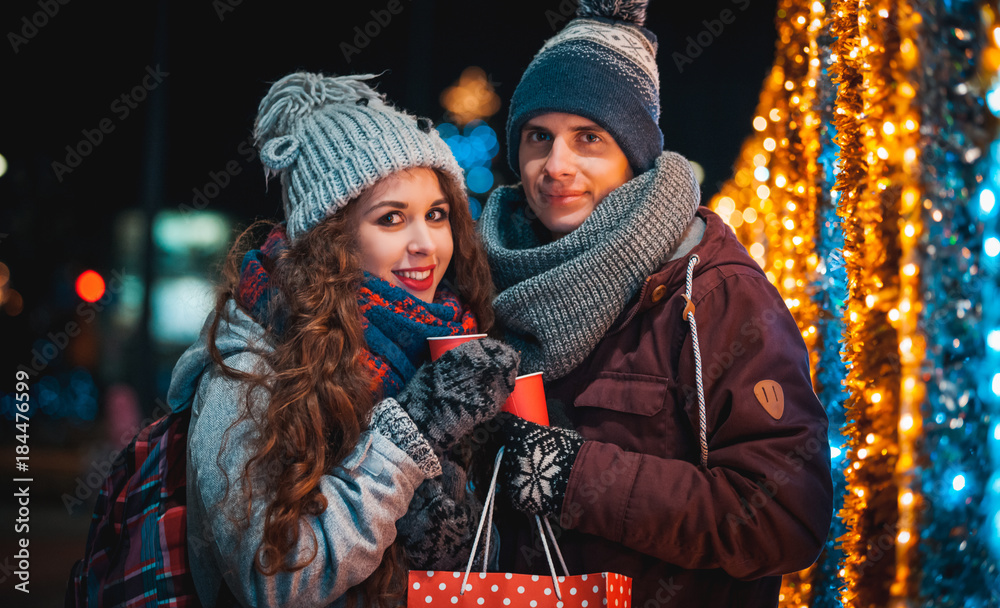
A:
(366, 494)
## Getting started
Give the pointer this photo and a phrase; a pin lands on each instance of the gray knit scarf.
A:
(558, 299)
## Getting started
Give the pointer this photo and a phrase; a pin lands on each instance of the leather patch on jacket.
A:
(771, 396)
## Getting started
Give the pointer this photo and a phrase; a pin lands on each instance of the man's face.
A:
(568, 165)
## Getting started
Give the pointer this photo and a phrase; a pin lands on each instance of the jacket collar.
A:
(716, 247)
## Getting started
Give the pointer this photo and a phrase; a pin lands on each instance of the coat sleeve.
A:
(764, 505)
(365, 496)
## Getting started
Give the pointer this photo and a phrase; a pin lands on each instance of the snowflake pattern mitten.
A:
(536, 464)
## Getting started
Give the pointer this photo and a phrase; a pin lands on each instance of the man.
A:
(703, 485)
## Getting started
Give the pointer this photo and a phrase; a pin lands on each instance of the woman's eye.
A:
(390, 219)
(437, 215)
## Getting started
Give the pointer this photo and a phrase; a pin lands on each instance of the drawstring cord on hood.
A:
(689, 315)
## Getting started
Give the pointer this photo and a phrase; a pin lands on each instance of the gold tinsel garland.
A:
(847, 71)
(883, 415)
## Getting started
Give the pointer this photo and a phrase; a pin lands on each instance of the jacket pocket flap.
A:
(629, 393)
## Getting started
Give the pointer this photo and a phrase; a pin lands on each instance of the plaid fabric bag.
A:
(136, 552)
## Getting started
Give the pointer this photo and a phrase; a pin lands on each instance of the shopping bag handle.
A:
(488, 515)
(555, 545)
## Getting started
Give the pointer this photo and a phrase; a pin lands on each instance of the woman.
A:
(296, 478)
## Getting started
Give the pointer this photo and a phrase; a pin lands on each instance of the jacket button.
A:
(658, 293)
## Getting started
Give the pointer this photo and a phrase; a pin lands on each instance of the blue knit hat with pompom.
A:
(601, 66)
(331, 138)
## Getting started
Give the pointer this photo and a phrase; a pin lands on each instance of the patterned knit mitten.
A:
(466, 386)
(536, 464)
(439, 528)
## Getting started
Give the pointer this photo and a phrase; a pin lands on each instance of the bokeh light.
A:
(90, 286)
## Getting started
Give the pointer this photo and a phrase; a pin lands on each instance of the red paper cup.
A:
(528, 399)
(440, 346)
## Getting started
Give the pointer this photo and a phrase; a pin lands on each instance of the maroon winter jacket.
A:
(638, 501)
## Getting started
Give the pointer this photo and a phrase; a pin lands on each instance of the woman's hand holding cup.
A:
(466, 386)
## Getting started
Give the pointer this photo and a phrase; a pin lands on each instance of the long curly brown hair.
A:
(319, 388)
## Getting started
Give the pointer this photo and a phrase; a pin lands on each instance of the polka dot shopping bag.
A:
(495, 590)
(499, 589)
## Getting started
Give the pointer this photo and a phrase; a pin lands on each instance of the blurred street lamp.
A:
(471, 98)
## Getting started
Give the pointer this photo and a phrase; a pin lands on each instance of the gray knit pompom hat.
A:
(331, 138)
